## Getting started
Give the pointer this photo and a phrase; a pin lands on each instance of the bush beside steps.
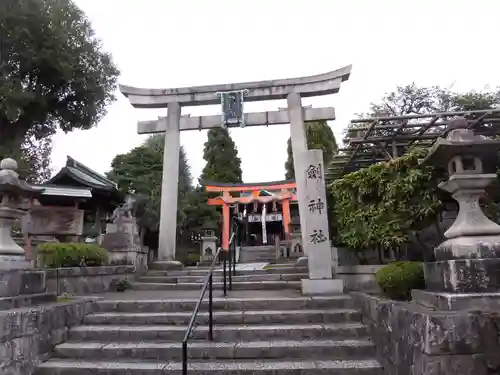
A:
(71, 254)
(396, 280)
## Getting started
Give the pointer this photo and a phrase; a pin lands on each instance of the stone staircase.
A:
(263, 327)
(253, 254)
(286, 277)
(265, 336)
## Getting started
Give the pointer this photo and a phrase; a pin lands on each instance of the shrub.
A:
(123, 285)
(383, 205)
(191, 260)
(397, 279)
(69, 254)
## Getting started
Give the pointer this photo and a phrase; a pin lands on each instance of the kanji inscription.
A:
(317, 236)
(316, 205)
(313, 172)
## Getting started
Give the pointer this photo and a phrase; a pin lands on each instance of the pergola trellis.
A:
(377, 139)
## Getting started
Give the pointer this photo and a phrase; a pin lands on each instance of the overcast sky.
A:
(175, 43)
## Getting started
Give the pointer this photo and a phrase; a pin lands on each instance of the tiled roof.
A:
(83, 175)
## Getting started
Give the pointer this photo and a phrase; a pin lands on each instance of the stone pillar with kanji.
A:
(317, 243)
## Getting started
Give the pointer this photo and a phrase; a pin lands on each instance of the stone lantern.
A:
(12, 191)
(468, 261)
(208, 242)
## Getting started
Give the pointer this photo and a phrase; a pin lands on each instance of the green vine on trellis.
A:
(385, 205)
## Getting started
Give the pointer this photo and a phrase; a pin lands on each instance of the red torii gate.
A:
(283, 191)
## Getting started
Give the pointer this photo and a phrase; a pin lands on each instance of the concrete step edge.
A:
(216, 283)
(261, 277)
(338, 297)
(218, 327)
(201, 271)
(79, 345)
(332, 311)
(209, 366)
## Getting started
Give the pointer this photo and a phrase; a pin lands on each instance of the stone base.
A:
(311, 287)
(463, 275)
(302, 261)
(166, 265)
(361, 278)
(22, 282)
(456, 301)
(206, 260)
(469, 247)
(14, 262)
(411, 339)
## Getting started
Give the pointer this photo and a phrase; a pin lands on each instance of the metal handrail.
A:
(207, 284)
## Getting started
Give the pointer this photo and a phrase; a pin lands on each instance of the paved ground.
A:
(194, 294)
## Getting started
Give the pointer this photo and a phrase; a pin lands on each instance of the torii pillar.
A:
(170, 186)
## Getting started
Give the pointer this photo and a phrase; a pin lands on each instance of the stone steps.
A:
(230, 332)
(249, 367)
(239, 278)
(266, 335)
(260, 255)
(302, 316)
(240, 304)
(168, 351)
(243, 285)
(202, 271)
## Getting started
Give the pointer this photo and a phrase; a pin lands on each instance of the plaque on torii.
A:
(232, 108)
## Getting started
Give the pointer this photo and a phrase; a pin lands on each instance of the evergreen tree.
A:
(140, 172)
(54, 75)
(221, 155)
(319, 136)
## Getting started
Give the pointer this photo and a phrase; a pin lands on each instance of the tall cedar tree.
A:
(319, 137)
(54, 75)
(221, 155)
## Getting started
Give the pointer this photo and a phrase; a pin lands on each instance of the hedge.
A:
(396, 280)
(61, 254)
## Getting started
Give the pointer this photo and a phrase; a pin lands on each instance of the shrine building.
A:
(265, 209)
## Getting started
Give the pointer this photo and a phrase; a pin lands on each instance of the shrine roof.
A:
(83, 175)
(64, 191)
(249, 186)
(262, 193)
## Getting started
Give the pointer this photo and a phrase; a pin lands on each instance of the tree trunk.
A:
(438, 227)
(10, 147)
(379, 253)
(425, 249)
(361, 257)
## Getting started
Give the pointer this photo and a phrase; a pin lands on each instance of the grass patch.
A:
(64, 299)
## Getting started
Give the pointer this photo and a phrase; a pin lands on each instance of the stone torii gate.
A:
(292, 89)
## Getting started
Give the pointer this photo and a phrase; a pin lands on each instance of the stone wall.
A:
(20, 288)
(28, 335)
(413, 340)
(85, 280)
(359, 278)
